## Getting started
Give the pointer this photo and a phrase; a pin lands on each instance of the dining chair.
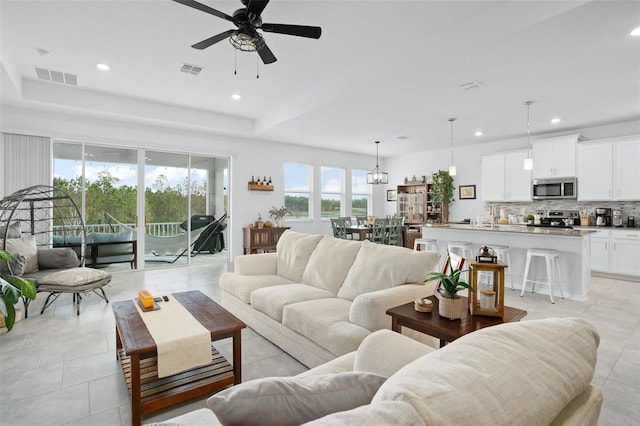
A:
(347, 223)
(379, 231)
(339, 226)
(362, 220)
(395, 231)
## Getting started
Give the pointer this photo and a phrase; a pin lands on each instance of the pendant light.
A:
(528, 162)
(377, 176)
(452, 167)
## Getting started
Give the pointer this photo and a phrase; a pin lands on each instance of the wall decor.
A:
(467, 192)
(392, 194)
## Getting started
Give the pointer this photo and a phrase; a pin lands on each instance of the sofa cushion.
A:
(25, 246)
(516, 373)
(74, 277)
(57, 258)
(272, 300)
(330, 262)
(113, 249)
(241, 286)
(379, 266)
(382, 413)
(293, 400)
(326, 322)
(294, 250)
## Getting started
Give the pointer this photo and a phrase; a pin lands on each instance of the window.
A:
(360, 193)
(297, 189)
(331, 192)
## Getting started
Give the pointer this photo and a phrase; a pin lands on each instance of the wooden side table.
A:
(443, 328)
(264, 239)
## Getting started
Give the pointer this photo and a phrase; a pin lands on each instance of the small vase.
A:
(279, 222)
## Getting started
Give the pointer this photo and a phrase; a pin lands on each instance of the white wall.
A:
(248, 157)
(469, 163)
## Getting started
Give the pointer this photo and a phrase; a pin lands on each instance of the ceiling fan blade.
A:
(265, 53)
(295, 30)
(257, 6)
(213, 40)
(201, 7)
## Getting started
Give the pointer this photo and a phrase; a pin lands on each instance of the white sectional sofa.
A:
(318, 296)
(522, 373)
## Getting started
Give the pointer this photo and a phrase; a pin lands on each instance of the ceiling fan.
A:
(248, 21)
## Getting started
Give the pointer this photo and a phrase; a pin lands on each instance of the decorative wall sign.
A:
(392, 194)
(467, 192)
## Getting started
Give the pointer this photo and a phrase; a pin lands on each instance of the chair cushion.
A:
(330, 262)
(17, 264)
(113, 249)
(73, 277)
(293, 250)
(241, 286)
(25, 246)
(380, 266)
(57, 258)
(272, 300)
(285, 401)
(326, 322)
(517, 373)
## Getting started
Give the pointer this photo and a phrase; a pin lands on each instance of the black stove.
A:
(558, 219)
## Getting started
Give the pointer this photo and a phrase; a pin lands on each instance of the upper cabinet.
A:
(609, 169)
(504, 177)
(555, 157)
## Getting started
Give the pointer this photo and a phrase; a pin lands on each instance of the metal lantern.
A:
(486, 255)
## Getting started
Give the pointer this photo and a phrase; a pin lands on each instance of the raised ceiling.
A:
(381, 70)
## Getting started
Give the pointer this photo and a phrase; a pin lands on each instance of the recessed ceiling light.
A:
(635, 32)
(403, 137)
(479, 133)
(555, 120)
(235, 96)
(42, 51)
(103, 67)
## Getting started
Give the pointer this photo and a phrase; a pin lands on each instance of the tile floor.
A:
(59, 369)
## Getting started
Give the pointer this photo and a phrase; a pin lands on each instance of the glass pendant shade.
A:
(452, 167)
(377, 176)
(528, 162)
(452, 170)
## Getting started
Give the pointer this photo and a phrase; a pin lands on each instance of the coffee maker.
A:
(603, 217)
(617, 218)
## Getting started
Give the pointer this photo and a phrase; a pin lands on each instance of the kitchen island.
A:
(574, 246)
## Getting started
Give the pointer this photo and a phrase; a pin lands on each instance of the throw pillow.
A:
(293, 400)
(17, 264)
(57, 258)
(25, 246)
(294, 250)
(14, 231)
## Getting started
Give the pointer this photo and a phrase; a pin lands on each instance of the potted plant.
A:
(11, 289)
(530, 219)
(442, 190)
(279, 214)
(450, 305)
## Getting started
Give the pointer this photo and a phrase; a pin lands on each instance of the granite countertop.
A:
(519, 229)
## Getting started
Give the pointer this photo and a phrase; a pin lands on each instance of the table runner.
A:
(183, 343)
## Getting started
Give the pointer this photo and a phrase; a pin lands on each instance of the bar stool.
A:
(430, 244)
(462, 249)
(502, 252)
(550, 257)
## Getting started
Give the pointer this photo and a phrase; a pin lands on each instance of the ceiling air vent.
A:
(56, 76)
(471, 85)
(191, 69)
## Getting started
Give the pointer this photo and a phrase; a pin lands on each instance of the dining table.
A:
(363, 232)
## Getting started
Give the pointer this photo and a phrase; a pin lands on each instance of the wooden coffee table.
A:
(443, 328)
(136, 350)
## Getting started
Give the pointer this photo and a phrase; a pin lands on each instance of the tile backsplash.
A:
(628, 208)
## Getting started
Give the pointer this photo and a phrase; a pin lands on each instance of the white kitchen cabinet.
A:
(600, 251)
(555, 157)
(625, 257)
(504, 178)
(608, 170)
(595, 172)
(627, 169)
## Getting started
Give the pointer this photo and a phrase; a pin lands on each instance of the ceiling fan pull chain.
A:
(235, 62)
(257, 67)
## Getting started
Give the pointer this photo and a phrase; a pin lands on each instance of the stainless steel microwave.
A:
(555, 188)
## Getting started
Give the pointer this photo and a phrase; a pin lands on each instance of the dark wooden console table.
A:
(261, 239)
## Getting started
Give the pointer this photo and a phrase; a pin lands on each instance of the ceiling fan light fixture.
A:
(243, 42)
